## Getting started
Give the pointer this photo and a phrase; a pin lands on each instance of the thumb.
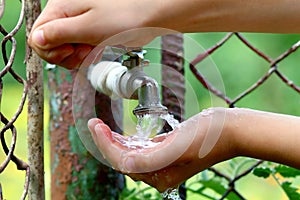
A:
(62, 31)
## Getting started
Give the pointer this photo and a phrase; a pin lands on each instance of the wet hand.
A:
(176, 156)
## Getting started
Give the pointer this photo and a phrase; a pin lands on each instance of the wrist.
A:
(232, 131)
(188, 16)
(248, 130)
(164, 14)
(144, 13)
(228, 141)
(218, 136)
(265, 135)
(139, 22)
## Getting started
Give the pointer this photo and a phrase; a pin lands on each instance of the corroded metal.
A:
(173, 82)
(76, 174)
(173, 75)
(35, 128)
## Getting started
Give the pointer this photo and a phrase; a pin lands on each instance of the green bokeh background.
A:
(238, 66)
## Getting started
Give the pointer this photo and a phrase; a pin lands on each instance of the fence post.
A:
(35, 127)
(76, 174)
(173, 94)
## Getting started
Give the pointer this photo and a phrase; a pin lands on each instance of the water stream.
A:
(148, 126)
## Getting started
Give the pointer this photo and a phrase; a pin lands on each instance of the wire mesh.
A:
(8, 55)
(231, 102)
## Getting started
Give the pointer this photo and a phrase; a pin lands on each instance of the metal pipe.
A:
(149, 100)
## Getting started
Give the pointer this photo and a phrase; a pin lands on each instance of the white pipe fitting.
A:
(105, 77)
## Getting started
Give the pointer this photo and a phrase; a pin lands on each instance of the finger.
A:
(91, 125)
(131, 160)
(93, 122)
(119, 156)
(113, 151)
(61, 31)
(149, 159)
(177, 143)
(55, 55)
(61, 9)
(75, 59)
(102, 136)
(68, 56)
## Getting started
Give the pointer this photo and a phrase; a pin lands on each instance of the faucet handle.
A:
(130, 51)
(137, 52)
(136, 58)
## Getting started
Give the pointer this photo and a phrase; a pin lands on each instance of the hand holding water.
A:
(207, 138)
(174, 158)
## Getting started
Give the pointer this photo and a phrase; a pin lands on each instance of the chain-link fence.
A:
(31, 92)
(273, 64)
(8, 127)
(8, 53)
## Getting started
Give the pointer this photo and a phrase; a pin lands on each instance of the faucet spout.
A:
(149, 100)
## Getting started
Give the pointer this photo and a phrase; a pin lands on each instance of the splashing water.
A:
(170, 120)
(171, 194)
(148, 126)
(145, 126)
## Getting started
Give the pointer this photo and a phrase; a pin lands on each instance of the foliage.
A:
(138, 192)
(282, 174)
(208, 186)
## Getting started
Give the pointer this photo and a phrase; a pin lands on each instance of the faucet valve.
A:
(136, 58)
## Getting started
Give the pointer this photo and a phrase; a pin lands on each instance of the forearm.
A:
(266, 136)
(279, 16)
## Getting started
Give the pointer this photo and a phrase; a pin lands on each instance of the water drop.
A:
(171, 194)
(170, 120)
(207, 112)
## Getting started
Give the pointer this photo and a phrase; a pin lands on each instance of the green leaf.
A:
(287, 172)
(214, 185)
(217, 186)
(290, 191)
(262, 172)
(126, 192)
(147, 195)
